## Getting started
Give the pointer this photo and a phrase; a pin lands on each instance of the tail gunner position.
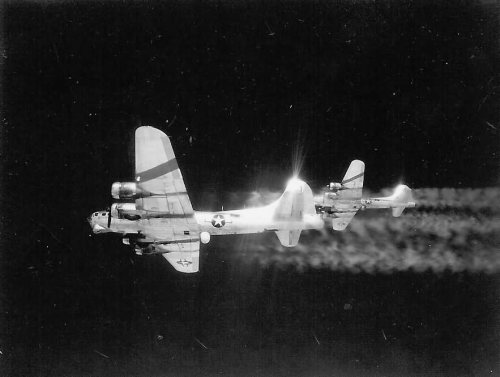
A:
(155, 215)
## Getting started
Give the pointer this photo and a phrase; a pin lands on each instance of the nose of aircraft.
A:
(94, 224)
(99, 229)
(95, 227)
(91, 223)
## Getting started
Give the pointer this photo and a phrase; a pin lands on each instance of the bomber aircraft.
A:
(155, 215)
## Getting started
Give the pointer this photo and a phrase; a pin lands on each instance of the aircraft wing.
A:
(183, 256)
(352, 183)
(159, 176)
(341, 219)
(344, 203)
(170, 215)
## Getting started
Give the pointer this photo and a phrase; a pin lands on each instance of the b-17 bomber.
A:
(155, 215)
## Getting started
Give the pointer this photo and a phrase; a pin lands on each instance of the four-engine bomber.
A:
(155, 215)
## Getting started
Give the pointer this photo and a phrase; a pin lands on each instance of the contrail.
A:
(451, 229)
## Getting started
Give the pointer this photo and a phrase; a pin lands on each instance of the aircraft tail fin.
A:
(401, 199)
(296, 201)
(290, 208)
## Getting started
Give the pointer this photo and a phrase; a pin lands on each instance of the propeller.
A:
(109, 217)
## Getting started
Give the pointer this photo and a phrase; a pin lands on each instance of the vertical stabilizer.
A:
(290, 209)
(295, 202)
(401, 199)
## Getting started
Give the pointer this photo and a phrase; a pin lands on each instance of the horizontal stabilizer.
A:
(289, 238)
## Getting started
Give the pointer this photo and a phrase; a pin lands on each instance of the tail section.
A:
(401, 199)
(289, 211)
(296, 201)
(398, 201)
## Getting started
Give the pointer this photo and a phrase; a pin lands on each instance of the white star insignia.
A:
(218, 221)
(184, 262)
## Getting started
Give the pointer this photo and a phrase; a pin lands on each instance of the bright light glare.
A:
(294, 183)
(298, 152)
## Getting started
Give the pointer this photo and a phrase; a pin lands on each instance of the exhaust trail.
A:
(450, 230)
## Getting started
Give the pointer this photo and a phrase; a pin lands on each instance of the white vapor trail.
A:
(451, 229)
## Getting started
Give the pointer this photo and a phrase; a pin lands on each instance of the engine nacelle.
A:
(125, 211)
(125, 190)
(334, 186)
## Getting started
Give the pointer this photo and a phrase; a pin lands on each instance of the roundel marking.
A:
(218, 221)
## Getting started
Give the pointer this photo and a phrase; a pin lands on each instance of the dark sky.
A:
(246, 90)
(410, 87)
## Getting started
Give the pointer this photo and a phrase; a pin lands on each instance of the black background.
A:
(248, 92)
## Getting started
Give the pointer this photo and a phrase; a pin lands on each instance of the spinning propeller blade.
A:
(109, 217)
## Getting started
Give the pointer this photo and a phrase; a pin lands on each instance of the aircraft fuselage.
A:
(247, 221)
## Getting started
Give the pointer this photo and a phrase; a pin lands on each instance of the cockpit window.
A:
(95, 213)
(103, 214)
